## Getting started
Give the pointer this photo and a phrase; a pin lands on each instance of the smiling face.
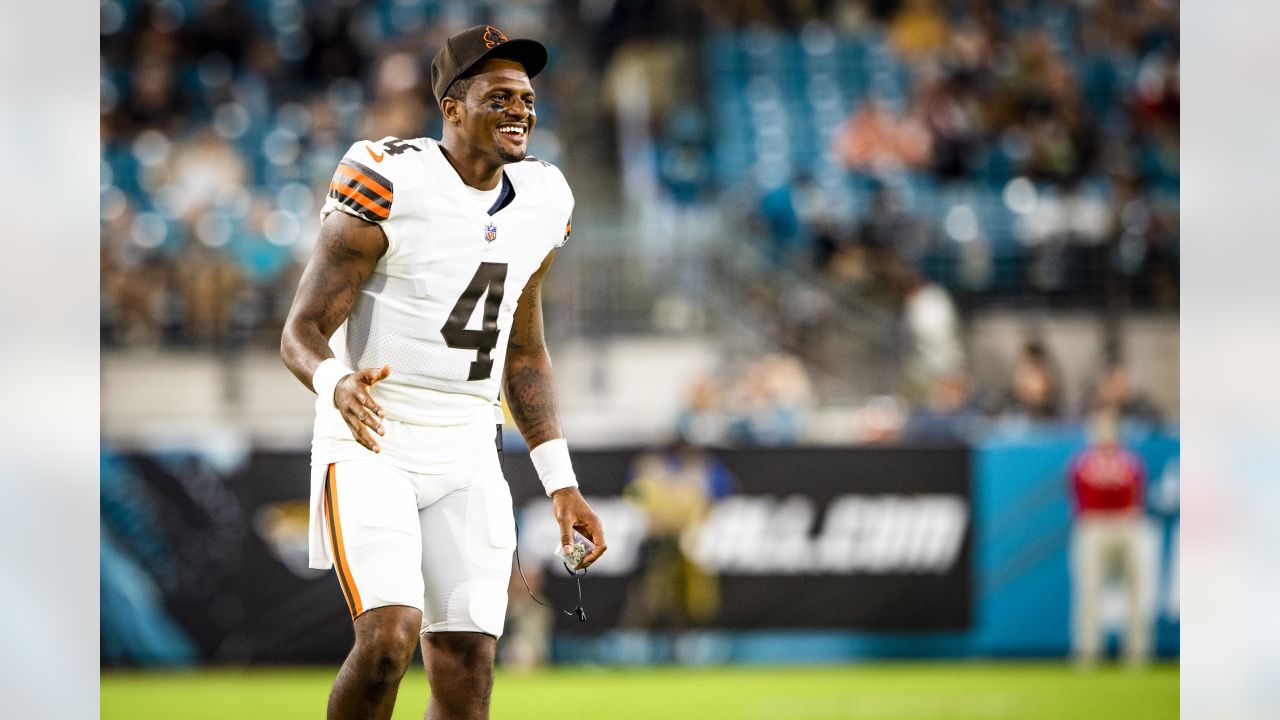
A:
(495, 116)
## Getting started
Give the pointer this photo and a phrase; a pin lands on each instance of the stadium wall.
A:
(615, 391)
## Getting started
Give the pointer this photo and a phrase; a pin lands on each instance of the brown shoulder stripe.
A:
(363, 190)
(368, 209)
(367, 178)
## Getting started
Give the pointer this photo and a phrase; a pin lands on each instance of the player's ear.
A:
(451, 109)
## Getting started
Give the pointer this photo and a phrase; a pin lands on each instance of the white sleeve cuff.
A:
(325, 380)
(555, 470)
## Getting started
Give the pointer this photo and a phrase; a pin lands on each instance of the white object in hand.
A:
(581, 546)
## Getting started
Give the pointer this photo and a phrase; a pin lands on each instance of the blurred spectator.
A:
(875, 139)
(399, 108)
(208, 287)
(1114, 393)
(1106, 483)
(918, 28)
(779, 216)
(682, 164)
(888, 224)
(1144, 242)
(762, 403)
(950, 415)
(134, 285)
(881, 421)
(846, 263)
(701, 419)
(1035, 387)
(675, 488)
(152, 95)
(766, 401)
(952, 116)
(931, 322)
(205, 169)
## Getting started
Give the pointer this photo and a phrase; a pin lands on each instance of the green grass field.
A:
(915, 691)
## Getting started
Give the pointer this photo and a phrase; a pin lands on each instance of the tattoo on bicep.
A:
(338, 247)
(533, 328)
(527, 332)
(334, 282)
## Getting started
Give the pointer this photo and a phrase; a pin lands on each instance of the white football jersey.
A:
(439, 304)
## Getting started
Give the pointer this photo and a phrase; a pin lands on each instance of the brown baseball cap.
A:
(466, 49)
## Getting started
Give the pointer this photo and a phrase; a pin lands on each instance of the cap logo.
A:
(493, 36)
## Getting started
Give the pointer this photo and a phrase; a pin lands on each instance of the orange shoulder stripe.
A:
(368, 204)
(367, 181)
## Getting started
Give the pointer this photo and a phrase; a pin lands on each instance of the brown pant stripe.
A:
(340, 563)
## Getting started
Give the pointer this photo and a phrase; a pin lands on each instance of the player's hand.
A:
(353, 397)
(573, 513)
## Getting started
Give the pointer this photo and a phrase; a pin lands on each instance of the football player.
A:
(421, 301)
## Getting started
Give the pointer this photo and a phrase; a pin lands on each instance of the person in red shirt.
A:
(1108, 533)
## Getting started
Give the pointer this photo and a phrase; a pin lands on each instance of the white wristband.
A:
(555, 470)
(325, 380)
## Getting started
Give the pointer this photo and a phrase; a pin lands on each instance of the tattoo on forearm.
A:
(531, 396)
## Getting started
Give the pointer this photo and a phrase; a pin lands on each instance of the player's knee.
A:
(466, 657)
(384, 659)
(385, 644)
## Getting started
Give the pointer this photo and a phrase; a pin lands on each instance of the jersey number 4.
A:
(487, 281)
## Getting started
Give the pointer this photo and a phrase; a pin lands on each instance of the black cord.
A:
(578, 611)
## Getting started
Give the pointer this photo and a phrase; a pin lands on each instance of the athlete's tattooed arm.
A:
(528, 382)
(530, 388)
(346, 252)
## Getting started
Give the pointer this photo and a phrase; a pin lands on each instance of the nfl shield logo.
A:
(490, 232)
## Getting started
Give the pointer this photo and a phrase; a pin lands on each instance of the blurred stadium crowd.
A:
(913, 160)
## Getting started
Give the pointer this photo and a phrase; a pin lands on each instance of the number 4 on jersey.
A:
(487, 281)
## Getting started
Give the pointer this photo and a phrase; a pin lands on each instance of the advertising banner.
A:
(205, 554)
(872, 539)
